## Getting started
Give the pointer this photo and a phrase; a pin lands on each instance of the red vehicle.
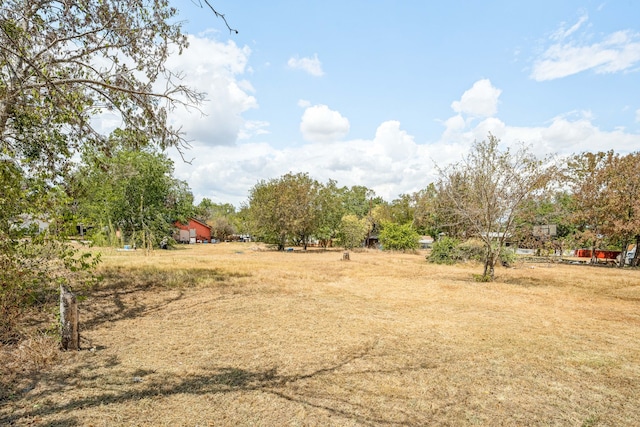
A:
(600, 255)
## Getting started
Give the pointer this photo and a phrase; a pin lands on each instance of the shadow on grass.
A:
(122, 387)
(127, 293)
(123, 293)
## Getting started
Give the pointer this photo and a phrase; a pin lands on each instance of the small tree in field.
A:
(488, 188)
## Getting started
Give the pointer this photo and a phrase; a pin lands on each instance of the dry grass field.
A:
(236, 335)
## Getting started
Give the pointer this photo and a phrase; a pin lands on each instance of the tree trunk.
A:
(489, 264)
(623, 254)
(636, 256)
(70, 332)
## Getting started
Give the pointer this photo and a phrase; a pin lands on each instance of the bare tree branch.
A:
(219, 15)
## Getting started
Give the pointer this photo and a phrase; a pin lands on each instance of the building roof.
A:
(197, 221)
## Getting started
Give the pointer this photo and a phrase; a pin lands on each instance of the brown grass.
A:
(232, 334)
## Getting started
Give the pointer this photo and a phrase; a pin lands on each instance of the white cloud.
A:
(479, 101)
(319, 123)
(390, 163)
(312, 66)
(569, 54)
(561, 33)
(304, 103)
(215, 68)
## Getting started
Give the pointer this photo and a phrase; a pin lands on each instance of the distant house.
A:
(31, 222)
(193, 232)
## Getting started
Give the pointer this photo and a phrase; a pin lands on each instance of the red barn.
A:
(194, 231)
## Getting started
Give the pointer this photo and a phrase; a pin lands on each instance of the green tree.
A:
(208, 210)
(402, 210)
(425, 216)
(34, 260)
(352, 231)
(488, 189)
(285, 209)
(221, 228)
(133, 192)
(359, 200)
(332, 209)
(398, 237)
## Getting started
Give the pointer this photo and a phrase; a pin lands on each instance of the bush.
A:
(471, 250)
(449, 251)
(443, 251)
(31, 271)
(508, 257)
(399, 237)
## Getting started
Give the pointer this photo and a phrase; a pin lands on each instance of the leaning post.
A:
(70, 332)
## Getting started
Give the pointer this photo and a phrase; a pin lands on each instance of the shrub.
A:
(508, 257)
(31, 271)
(443, 251)
(449, 251)
(399, 237)
(471, 250)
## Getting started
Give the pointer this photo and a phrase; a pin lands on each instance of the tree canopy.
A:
(63, 63)
(133, 193)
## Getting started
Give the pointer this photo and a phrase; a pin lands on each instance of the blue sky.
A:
(377, 93)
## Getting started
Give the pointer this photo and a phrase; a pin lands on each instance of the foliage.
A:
(606, 194)
(449, 250)
(487, 189)
(398, 237)
(221, 228)
(482, 278)
(132, 192)
(208, 210)
(31, 271)
(295, 208)
(331, 203)
(285, 209)
(62, 65)
(62, 62)
(547, 208)
(359, 200)
(33, 261)
(623, 200)
(587, 177)
(352, 231)
(508, 257)
(425, 215)
(443, 251)
(470, 250)
(221, 217)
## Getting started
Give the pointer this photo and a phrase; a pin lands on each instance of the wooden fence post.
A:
(70, 333)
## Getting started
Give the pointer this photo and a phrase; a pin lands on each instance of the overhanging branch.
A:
(220, 15)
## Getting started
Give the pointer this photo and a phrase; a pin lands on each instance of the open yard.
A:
(232, 334)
